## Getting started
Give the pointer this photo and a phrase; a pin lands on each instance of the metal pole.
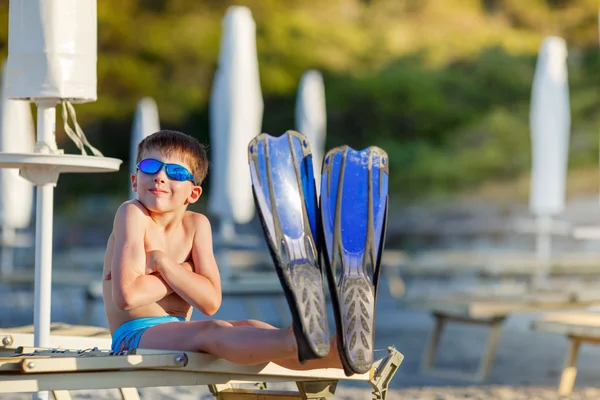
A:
(227, 232)
(223, 261)
(7, 258)
(43, 265)
(46, 143)
(543, 251)
(46, 126)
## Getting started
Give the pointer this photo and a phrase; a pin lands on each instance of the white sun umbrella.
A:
(16, 193)
(550, 123)
(236, 109)
(145, 122)
(311, 116)
(51, 59)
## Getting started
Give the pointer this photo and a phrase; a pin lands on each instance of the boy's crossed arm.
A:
(201, 287)
(131, 286)
(151, 269)
(197, 283)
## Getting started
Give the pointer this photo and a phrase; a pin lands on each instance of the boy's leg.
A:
(238, 344)
(332, 360)
(241, 342)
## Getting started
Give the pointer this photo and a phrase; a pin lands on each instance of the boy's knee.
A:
(210, 338)
(247, 322)
(258, 324)
(217, 324)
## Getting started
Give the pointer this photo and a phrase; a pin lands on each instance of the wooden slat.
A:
(61, 329)
(481, 306)
(60, 277)
(27, 383)
(582, 323)
(57, 363)
(587, 232)
(10, 341)
(253, 394)
(9, 364)
(495, 263)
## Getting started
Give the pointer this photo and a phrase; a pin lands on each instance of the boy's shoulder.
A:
(197, 224)
(132, 208)
(134, 204)
(196, 218)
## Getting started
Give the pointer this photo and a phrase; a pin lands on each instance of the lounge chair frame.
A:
(578, 327)
(487, 358)
(490, 311)
(29, 369)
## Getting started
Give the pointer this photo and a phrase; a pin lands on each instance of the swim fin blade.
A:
(354, 202)
(284, 191)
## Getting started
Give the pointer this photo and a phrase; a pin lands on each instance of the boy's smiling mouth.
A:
(157, 191)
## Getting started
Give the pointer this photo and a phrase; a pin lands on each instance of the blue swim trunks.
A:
(127, 336)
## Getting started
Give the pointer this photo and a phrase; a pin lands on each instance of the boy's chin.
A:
(155, 206)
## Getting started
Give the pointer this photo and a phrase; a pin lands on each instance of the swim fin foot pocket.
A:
(354, 202)
(285, 196)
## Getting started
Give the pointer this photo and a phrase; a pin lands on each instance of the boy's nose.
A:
(160, 176)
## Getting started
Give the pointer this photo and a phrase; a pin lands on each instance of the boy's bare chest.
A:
(177, 245)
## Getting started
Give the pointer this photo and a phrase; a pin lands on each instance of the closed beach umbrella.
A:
(311, 116)
(17, 135)
(145, 122)
(550, 122)
(16, 194)
(236, 109)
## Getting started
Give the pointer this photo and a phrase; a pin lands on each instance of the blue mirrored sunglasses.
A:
(175, 172)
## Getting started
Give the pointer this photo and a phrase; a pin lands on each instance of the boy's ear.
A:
(133, 183)
(195, 194)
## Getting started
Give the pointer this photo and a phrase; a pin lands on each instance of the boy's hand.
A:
(154, 260)
(151, 267)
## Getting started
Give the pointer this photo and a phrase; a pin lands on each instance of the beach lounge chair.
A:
(27, 369)
(491, 310)
(579, 327)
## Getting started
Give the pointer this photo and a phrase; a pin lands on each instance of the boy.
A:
(159, 263)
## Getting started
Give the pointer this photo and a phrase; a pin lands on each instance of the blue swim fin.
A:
(285, 196)
(354, 201)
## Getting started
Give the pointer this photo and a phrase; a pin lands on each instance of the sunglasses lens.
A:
(149, 166)
(177, 172)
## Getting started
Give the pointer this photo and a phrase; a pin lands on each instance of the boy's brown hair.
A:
(177, 144)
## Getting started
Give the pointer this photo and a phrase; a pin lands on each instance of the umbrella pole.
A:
(45, 182)
(43, 264)
(227, 230)
(7, 257)
(46, 143)
(543, 251)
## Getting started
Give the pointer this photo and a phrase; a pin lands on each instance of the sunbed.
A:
(490, 309)
(579, 327)
(27, 369)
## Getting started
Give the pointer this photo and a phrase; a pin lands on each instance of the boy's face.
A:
(158, 192)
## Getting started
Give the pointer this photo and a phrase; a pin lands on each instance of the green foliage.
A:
(442, 85)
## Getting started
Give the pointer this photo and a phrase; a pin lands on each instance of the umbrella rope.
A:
(77, 135)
